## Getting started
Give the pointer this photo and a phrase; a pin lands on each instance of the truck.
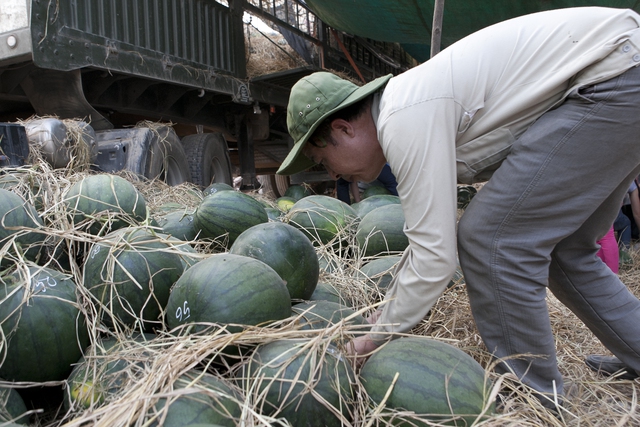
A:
(114, 64)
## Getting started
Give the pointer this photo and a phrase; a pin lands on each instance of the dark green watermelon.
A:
(297, 191)
(228, 213)
(436, 381)
(106, 369)
(178, 224)
(379, 272)
(374, 190)
(12, 407)
(297, 380)
(285, 249)
(17, 218)
(217, 186)
(381, 232)
(365, 206)
(106, 202)
(327, 292)
(322, 314)
(325, 220)
(131, 272)
(274, 214)
(214, 402)
(228, 289)
(46, 333)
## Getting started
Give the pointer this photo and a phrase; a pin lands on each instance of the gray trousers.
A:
(535, 224)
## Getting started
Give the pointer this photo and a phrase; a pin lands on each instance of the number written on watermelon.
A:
(183, 313)
(44, 283)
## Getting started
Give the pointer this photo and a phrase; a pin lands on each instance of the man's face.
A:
(355, 156)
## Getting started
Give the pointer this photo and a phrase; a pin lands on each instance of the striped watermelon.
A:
(297, 380)
(381, 232)
(130, 272)
(227, 213)
(285, 249)
(228, 289)
(46, 332)
(436, 381)
(326, 220)
(107, 202)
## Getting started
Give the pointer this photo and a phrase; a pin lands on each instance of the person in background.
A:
(623, 223)
(531, 105)
(609, 252)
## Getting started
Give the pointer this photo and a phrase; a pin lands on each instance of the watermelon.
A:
(178, 224)
(439, 383)
(107, 202)
(381, 232)
(378, 272)
(322, 314)
(374, 190)
(12, 407)
(324, 219)
(326, 292)
(214, 402)
(297, 192)
(228, 289)
(285, 249)
(370, 203)
(16, 218)
(297, 380)
(46, 332)
(274, 214)
(330, 263)
(106, 369)
(217, 186)
(130, 272)
(228, 213)
(285, 203)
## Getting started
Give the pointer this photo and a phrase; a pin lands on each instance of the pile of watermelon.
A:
(210, 307)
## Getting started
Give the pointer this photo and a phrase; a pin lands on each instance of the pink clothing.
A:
(609, 250)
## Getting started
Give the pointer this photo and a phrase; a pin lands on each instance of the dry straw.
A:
(152, 367)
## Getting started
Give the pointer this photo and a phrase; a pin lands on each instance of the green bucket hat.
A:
(313, 99)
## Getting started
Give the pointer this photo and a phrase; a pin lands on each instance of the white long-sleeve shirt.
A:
(455, 117)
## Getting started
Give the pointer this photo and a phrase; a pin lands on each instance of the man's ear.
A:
(343, 126)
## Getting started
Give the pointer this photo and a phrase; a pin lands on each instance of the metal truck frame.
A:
(114, 63)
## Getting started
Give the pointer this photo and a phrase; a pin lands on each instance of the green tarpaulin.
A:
(408, 22)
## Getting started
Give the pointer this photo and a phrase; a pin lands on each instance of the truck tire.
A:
(152, 153)
(165, 159)
(279, 184)
(208, 156)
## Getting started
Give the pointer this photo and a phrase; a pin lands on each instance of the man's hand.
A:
(373, 318)
(360, 348)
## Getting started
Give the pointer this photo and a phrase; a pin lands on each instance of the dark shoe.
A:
(610, 365)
